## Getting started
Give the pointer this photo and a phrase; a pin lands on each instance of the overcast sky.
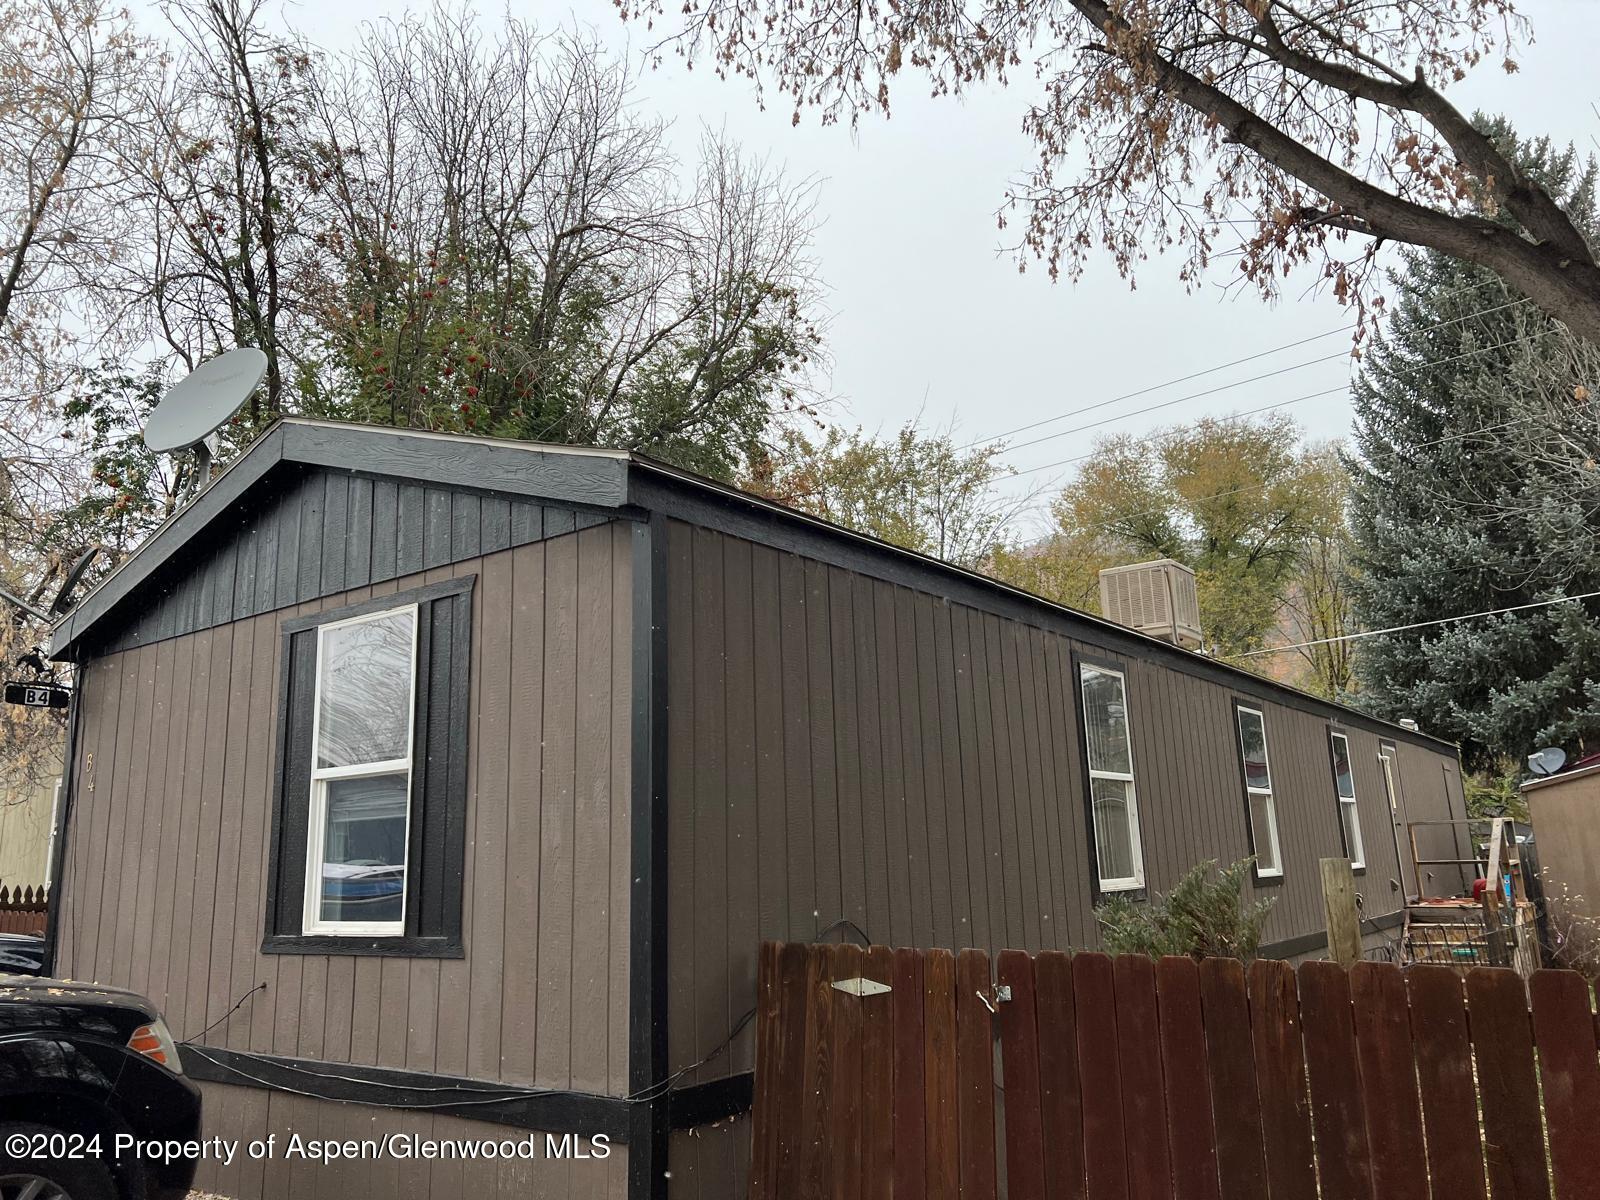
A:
(927, 313)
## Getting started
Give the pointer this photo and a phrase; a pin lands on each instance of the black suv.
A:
(93, 1100)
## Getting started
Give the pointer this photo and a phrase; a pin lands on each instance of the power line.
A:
(1156, 387)
(1366, 633)
(1250, 412)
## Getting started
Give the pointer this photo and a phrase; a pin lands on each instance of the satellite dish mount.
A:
(201, 403)
(1547, 761)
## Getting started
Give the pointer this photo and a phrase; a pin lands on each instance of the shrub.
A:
(1205, 915)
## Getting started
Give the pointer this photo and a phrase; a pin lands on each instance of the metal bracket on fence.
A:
(1002, 995)
(861, 987)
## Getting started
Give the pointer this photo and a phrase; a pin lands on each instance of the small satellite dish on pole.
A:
(201, 403)
(1547, 761)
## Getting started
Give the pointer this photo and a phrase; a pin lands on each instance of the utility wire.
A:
(1366, 633)
(1249, 412)
(1156, 387)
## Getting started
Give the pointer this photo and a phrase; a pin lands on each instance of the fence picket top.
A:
(1281, 1080)
(815, 1176)
(1564, 1029)
(975, 1074)
(1019, 1063)
(1339, 1117)
(1446, 1086)
(1192, 1137)
(879, 1087)
(1105, 1149)
(1060, 1095)
(24, 898)
(1502, 1043)
(939, 1024)
(844, 1109)
(1231, 1066)
(1143, 1085)
(1388, 1076)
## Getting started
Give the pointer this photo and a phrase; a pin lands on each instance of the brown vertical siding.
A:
(166, 866)
(844, 747)
(244, 1113)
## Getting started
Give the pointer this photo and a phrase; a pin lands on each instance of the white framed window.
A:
(359, 824)
(1344, 782)
(1113, 800)
(1262, 809)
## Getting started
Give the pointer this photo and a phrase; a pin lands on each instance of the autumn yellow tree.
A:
(1244, 503)
(916, 488)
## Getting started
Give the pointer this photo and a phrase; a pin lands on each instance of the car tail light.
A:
(155, 1043)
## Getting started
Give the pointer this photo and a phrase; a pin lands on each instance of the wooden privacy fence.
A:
(23, 910)
(1134, 1079)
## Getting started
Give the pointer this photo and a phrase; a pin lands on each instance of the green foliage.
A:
(1205, 915)
(917, 489)
(1493, 791)
(1451, 515)
(1241, 502)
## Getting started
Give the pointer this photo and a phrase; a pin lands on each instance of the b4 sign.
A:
(38, 695)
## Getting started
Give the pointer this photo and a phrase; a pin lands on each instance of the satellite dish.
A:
(1547, 761)
(63, 600)
(203, 402)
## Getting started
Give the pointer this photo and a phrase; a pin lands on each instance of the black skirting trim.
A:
(1309, 942)
(585, 1113)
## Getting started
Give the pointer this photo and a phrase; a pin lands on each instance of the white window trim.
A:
(1358, 852)
(1249, 792)
(311, 918)
(1135, 881)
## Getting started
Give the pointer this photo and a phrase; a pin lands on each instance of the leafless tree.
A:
(67, 69)
(230, 260)
(1320, 128)
(507, 193)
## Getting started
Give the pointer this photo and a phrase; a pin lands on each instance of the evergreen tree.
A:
(1450, 516)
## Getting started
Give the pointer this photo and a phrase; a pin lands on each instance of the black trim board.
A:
(718, 1100)
(649, 1138)
(453, 586)
(63, 829)
(542, 1110)
(1306, 943)
(385, 1087)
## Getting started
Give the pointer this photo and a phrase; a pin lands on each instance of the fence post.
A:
(1339, 905)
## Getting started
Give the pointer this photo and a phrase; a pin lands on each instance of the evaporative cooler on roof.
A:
(1156, 598)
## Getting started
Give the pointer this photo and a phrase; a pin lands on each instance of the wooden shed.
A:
(447, 786)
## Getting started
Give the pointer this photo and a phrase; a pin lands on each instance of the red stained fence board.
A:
(1144, 1101)
(1231, 1065)
(1191, 1134)
(1445, 1081)
(1339, 1115)
(1569, 1066)
(1060, 1095)
(1019, 1064)
(1100, 1076)
(1389, 1081)
(1502, 1045)
(1132, 1080)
